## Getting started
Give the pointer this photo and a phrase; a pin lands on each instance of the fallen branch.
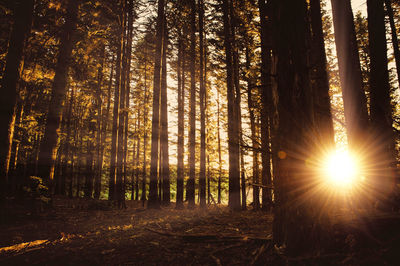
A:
(197, 237)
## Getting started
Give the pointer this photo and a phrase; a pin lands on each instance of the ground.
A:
(80, 232)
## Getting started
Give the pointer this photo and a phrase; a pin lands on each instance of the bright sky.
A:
(359, 5)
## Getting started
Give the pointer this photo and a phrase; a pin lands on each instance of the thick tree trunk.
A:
(355, 103)
(233, 126)
(190, 186)
(322, 104)
(380, 105)
(48, 147)
(155, 127)
(23, 13)
(293, 184)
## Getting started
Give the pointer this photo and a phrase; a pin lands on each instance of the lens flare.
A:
(341, 169)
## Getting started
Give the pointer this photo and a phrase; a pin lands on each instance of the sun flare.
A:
(341, 169)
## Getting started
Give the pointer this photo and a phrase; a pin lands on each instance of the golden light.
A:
(340, 169)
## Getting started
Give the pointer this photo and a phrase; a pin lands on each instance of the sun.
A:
(340, 169)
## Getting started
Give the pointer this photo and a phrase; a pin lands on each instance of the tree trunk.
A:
(65, 164)
(202, 177)
(380, 105)
(181, 122)
(155, 127)
(190, 186)
(113, 160)
(355, 103)
(266, 102)
(50, 139)
(219, 151)
(250, 102)
(9, 84)
(395, 40)
(99, 138)
(322, 102)
(294, 183)
(165, 174)
(233, 126)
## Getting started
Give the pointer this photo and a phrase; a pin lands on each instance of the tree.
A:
(155, 127)
(164, 147)
(202, 177)
(320, 81)
(293, 182)
(355, 104)
(190, 186)
(395, 40)
(233, 125)
(48, 146)
(23, 12)
(380, 106)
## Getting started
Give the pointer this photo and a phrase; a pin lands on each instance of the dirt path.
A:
(135, 236)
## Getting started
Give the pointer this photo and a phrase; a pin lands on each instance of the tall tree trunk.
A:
(99, 138)
(145, 114)
(155, 127)
(250, 103)
(65, 165)
(322, 102)
(137, 172)
(233, 126)
(128, 88)
(23, 13)
(355, 103)
(202, 177)
(380, 106)
(181, 122)
(395, 40)
(106, 118)
(164, 162)
(115, 125)
(266, 102)
(48, 146)
(219, 151)
(190, 186)
(293, 185)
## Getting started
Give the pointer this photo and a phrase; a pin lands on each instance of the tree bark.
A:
(190, 186)
(202, 177)
(322, 102)
(48, 146)
(23, 13)
(266, 102)
(233, 126)
(181, 122)
(155, 128)
(165, 173)
(380, 105)
(395, 40)
(355, 103)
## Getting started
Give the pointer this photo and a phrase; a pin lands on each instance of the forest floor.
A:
(80, 232)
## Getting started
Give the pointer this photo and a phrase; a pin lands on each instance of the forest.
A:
(199, 132)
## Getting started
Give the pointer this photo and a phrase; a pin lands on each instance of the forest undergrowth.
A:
(81, 232)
